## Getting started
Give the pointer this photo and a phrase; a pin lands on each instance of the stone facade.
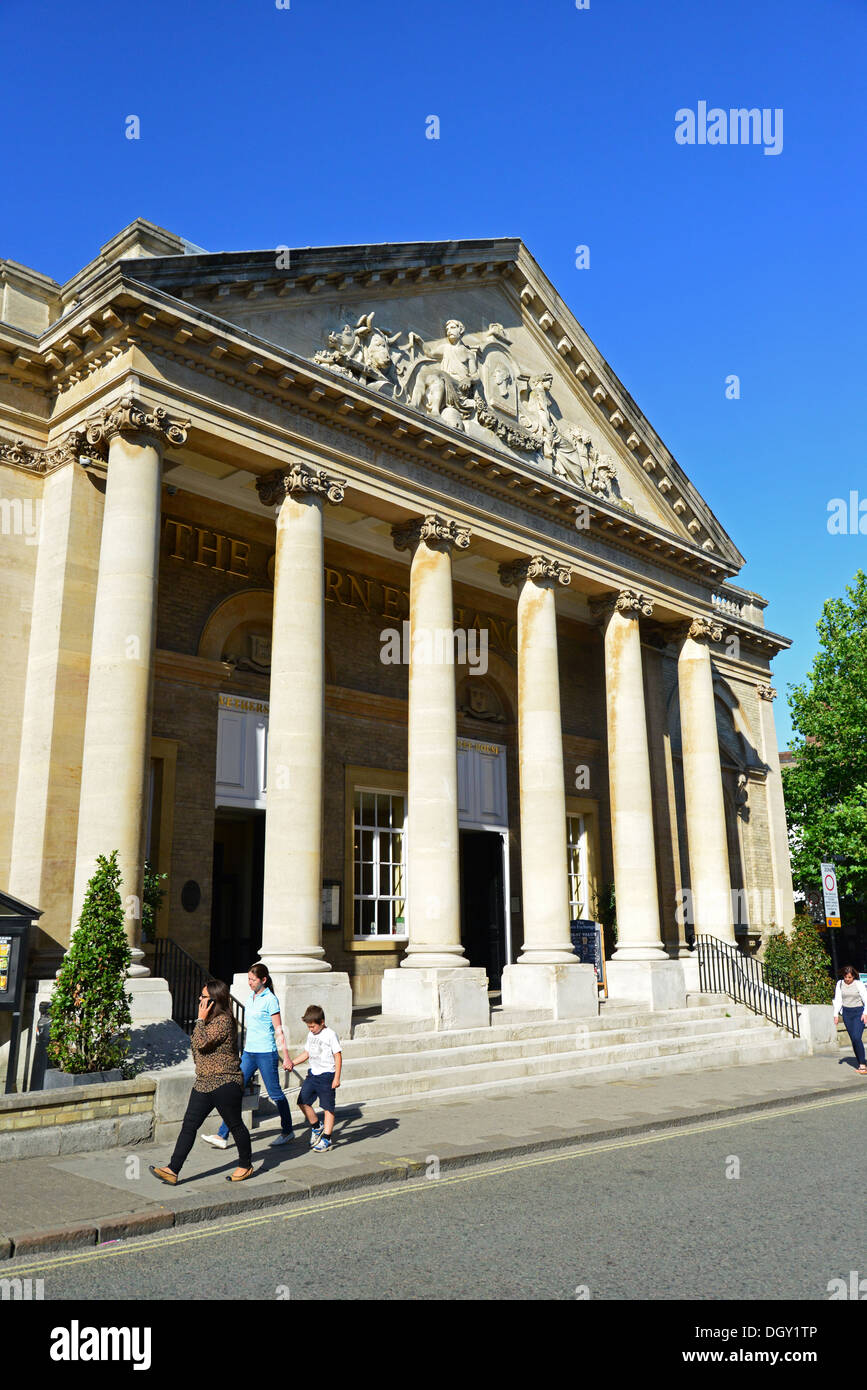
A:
(233, 487)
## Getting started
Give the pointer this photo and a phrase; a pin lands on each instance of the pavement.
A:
(61, 1203)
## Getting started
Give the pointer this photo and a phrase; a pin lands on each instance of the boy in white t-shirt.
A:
(323, 1076)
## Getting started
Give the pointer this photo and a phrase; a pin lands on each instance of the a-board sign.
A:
(589, 947)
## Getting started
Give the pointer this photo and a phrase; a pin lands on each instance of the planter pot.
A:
(56, 1080)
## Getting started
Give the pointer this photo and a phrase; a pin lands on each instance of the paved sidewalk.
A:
(86, 1199)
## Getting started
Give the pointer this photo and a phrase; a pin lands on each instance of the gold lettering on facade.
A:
(180, 528)
(355, 587)
(202, 549)
(333, 580)
(207, 548)
(238, 555)
(390, 602)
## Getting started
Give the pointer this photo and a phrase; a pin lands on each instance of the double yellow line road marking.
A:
(313, 1207)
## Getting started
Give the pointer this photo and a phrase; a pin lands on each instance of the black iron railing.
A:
(185, 979)
(723, 969)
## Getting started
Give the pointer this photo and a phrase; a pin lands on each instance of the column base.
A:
(138, 970)
(641, 951)
(658, 984)
(452, 998)
(567, 991)
(330, 989)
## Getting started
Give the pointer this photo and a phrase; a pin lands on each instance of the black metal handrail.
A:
(723, 969)
(185, 979)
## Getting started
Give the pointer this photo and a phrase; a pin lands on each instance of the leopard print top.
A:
(215, 1054)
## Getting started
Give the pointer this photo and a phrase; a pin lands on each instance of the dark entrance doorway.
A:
(483, 915)
(239, 872)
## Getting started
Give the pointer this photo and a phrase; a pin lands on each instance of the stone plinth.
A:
(453, 998)
(566, 991)
(659, 984)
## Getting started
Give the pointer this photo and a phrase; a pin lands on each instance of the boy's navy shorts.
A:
(319, 1088)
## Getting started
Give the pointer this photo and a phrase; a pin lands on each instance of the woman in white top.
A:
(850, 1000)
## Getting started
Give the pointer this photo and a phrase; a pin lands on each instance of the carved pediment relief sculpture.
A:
(471, 382)
(477, 700)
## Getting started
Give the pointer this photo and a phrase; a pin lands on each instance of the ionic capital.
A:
(766, 692)
(628, 602)
(298, 481)
(440, 532)
(131, 417)
(539, 569)
(703, 630)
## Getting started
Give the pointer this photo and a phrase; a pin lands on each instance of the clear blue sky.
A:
(306, 126)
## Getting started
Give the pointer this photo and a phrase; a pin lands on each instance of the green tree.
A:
(89, 1006)
(826, 789)
(799, 963)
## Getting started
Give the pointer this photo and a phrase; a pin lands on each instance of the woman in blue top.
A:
(264, 1035)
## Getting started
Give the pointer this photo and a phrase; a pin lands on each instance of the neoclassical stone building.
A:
(373, 536)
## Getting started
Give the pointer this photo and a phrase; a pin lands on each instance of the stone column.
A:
(710, 880)
(292, 891)
(116, 756)
(547, 974)
(435, 979)
(639, 968)
(784, 900)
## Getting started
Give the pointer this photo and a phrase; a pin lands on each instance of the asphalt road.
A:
(747, 1209)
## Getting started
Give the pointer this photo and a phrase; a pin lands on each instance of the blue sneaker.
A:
(322, 1145)
(316, 1134)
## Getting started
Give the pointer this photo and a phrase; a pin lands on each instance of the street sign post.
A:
(832, 907)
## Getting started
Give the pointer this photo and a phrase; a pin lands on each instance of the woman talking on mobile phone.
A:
(264, 1036)
(218, 1084)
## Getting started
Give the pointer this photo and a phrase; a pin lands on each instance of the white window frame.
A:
(377, 897)
(579, 909)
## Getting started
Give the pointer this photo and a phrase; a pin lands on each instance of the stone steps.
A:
(473, 1051)
(741, 1054)
(393, 1037)
(391, 1064)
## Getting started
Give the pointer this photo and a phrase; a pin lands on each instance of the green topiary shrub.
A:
(89, 1006)
(799, 963)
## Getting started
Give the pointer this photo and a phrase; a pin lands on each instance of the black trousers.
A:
(227, 1100)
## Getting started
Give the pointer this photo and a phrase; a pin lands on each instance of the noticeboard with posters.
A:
(589, 947)
(9, 952)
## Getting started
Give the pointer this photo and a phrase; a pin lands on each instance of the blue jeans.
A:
(855, 1029)
(266, 1064)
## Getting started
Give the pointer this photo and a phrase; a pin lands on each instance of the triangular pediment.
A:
(470, 335)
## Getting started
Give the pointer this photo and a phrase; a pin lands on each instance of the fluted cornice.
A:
(298, 481)
(129, 416)
(538, 568)
(441, 532)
